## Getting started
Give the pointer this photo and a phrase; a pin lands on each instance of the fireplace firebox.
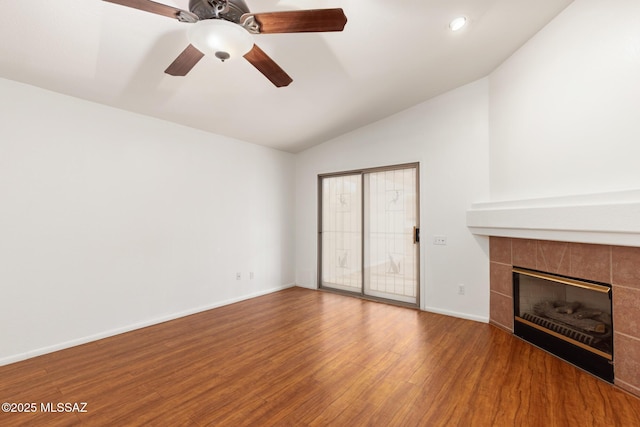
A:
(568, 317)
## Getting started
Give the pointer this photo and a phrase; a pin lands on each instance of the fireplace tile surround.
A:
(615, 265)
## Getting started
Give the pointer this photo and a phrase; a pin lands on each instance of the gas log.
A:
(571, 313)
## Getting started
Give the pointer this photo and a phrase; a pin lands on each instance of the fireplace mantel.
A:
(604, 218)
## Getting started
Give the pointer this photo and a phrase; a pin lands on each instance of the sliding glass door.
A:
(368, 232)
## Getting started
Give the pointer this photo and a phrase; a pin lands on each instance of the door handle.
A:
(416, 235)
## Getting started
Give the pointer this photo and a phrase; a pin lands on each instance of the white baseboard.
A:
(481, 319)
(90, 338)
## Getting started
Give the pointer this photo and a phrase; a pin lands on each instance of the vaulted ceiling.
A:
(390, 56)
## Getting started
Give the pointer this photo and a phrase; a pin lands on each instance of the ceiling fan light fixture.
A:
(222, 39)
(457, 23)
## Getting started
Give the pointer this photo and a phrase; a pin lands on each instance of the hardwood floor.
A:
(306, 358)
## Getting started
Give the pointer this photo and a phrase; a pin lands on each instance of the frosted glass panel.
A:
(342, 232)
(390, 265)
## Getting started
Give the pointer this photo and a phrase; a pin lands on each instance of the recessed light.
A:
(458, 23)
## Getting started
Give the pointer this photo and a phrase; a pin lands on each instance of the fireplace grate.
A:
(561, 329)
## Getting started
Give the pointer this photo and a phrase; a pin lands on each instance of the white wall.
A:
(448, 135)
(565, 109)
(111, 220)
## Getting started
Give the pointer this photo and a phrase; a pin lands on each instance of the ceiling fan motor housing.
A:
(230, 10)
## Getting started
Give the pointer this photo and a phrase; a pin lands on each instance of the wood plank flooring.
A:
(307, 358)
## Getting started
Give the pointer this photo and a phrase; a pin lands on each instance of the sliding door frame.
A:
(362, 173)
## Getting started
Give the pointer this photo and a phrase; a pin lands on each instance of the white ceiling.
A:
(391, 56)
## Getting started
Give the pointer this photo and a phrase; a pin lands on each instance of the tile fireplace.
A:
(611, 272)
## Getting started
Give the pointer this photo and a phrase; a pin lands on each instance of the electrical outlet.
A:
(440, 240)
(238, 276)
(460, 289)
(251, 275)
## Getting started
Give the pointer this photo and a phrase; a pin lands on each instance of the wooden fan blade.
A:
(299, 21)
(268, 67)
(184, 62)
(153, 7)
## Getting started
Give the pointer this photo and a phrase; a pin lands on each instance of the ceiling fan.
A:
(224, 28)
